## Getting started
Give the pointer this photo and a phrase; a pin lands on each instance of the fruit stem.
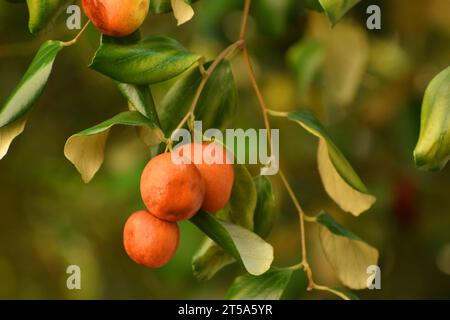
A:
(74, 40)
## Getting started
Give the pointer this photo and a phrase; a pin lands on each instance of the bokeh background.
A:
(366, 86)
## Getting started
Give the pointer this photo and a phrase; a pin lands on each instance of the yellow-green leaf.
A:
(254, 253)
(86, 149)
(8, 133)
(87, 153)
(340, 180)
(182, 11)
(348, 198)
(433, 148)
(347, 254)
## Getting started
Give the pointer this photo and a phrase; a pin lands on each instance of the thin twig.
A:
(333, 291)
(74, 40)
(245, 19)
(265, 111)
(206, 75)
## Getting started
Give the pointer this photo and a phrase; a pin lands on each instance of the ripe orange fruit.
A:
(150, 241)
(214, 164)
(172, 191)
(116, 18)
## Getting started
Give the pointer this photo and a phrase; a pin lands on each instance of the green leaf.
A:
(240, 210)
(265, 212)
(26, 93)
(209, 260)
(269, 286)
(245, 246)
(32, 84)
(243, 198)
(336, 9)
(141, 98)
(86, 149)
(130, 39)
(433, 148)
(43, 13)
(273, 17)
(338, 177)
(306, 60)
(347, 254)
(150, 61)
(217, 103)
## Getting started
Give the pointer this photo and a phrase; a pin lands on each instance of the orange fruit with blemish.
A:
(117, 18)
(172, 190)
(149, 241)
(214, 163)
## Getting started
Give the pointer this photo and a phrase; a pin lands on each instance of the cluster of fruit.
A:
(174, 187)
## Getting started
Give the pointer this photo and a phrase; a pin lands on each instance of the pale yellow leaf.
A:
(86, 153)
(349, 199)
(9, 133)
(182, 11)
(350, 258)
(150, 136)
(257, 259)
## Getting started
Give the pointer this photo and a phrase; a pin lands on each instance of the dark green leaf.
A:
(209, 260)
(240, 210)
(243, 198)
(313, 4)
(269, 286)
(152, 60)
(13, 114)
(255, 254)
(326, 220)
(141, 98)
(133, 38)
(273, 17)
(265, 212)
(215, 107)
(433, 148)
(336, 9)
(32, 84)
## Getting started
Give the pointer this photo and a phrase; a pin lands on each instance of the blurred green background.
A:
(366, 86)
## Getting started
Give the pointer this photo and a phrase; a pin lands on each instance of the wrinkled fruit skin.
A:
(117, 18)
(218, 177)
(172, 192)
(150, 241)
